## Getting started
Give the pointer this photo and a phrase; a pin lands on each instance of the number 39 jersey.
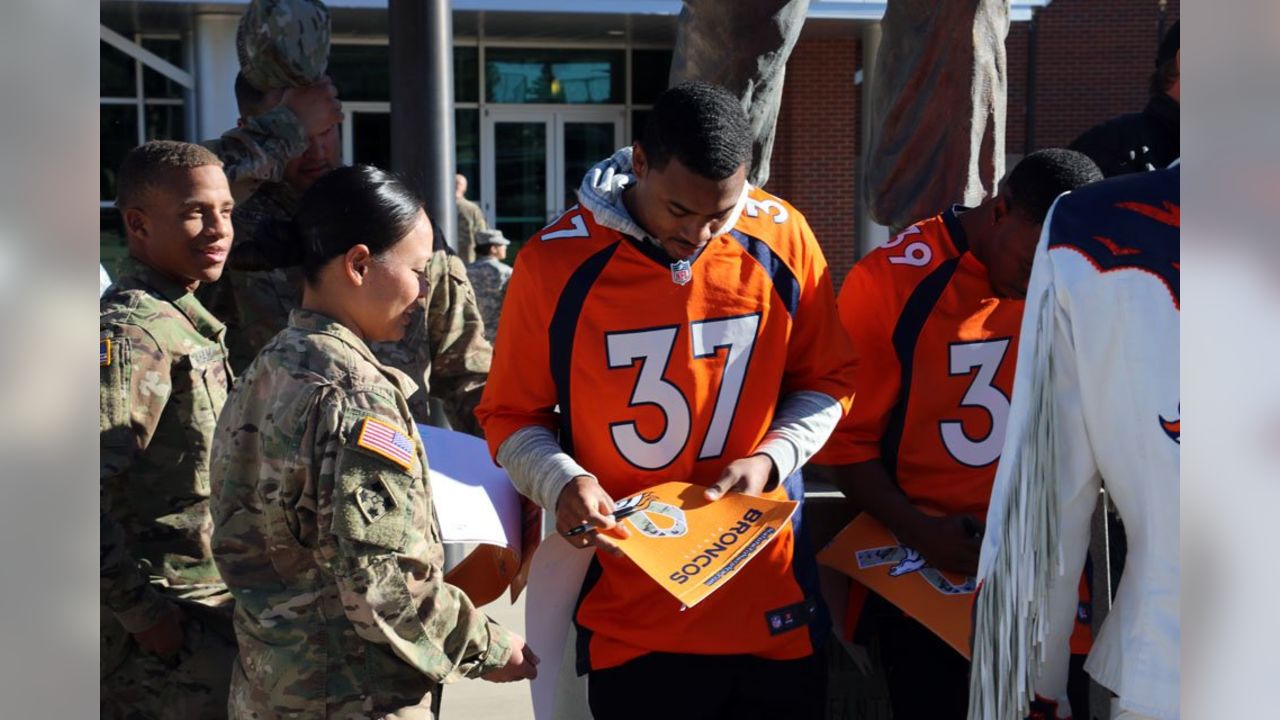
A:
(651, 373)
(935, 351)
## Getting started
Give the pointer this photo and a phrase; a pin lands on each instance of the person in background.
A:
(444, 350)
(470, 220)
(489, 276)
(323, 520)
(167, 643)
(934, 315)
(1147, 140)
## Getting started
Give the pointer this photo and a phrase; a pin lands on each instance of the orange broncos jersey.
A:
(648, 380)
(936, 351)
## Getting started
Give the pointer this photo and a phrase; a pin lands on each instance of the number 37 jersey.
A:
(936, 351)
(651, 373)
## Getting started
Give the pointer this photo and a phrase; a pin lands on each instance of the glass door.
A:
(584, 137)
(516, 193)
(535, 159)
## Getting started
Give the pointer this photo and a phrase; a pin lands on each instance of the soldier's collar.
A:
(133, 269)
(312, 321)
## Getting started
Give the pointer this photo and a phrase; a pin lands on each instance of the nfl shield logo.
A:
(681, 272)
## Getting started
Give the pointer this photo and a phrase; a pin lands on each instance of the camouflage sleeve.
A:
(257, 151)
(383, 544)
(133, 390)
(460, 365)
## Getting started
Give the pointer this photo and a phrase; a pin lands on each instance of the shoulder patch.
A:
(375, 502)
(386, 440)
(104, 352)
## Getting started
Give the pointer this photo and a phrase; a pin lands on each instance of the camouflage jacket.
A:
(325, 530)
(257, 151)
(444, 350)
(489, 277)
(164, 379)
(470, 219)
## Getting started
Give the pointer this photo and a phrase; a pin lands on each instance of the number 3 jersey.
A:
(935, 351)
(652, 372)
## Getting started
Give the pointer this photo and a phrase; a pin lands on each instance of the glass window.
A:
(119, 135)
(165, 122)
(116, 74)
(371, 138)
(467, 148)
(362, 73)
(638, 119)
(548, 75)
(155, 85)
(466, 74)
(649, 72)
(112, 247)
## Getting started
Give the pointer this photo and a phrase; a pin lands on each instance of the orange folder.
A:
(692, 547)
(941, 601)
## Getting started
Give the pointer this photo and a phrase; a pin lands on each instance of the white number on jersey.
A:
(986, 356)
(772, 208)
(653, 348)
(917, 254)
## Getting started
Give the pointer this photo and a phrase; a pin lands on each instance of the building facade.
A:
(543, 91)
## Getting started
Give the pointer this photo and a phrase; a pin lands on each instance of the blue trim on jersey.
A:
(582, 646)
(784, 281)
(905, 336)
(804, 564)
(955, 230)
(563, 328)
(1144, 243)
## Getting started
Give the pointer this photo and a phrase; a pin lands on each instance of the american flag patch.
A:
(386, 440)
(104, 352)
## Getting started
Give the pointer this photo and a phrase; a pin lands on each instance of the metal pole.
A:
(422, 145)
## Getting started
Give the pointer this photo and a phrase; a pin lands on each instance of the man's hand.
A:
(583, 501)
(165, 637)
(522, 665)
(950, 542)
(749, 476)
(317, 106)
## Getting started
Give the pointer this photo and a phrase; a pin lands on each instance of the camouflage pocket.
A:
(371, 502)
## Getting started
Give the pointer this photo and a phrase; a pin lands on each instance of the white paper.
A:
(475, 500)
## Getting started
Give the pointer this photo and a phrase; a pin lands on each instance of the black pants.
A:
(710, 687)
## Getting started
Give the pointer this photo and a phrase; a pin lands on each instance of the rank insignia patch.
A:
(374, 502)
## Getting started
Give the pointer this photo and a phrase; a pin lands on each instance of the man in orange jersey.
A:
(934, 316)
(678, 324)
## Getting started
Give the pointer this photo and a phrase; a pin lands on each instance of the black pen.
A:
(617, 515)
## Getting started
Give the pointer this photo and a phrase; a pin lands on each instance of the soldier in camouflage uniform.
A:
(325, 528)
(489, 276)
(167, 642)
(444, 352)
(470, 220)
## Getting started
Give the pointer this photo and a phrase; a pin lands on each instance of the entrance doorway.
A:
(535, 158)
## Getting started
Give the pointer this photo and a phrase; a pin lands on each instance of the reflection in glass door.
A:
(520, 178)
(536, 159)
(583, 144)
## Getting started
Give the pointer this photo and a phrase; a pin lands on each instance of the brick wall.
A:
(1093, 62)
(814, 165)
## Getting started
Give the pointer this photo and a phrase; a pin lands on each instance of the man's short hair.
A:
(249, 99)
(146, 165)
(700, 124)
(1043, 175)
